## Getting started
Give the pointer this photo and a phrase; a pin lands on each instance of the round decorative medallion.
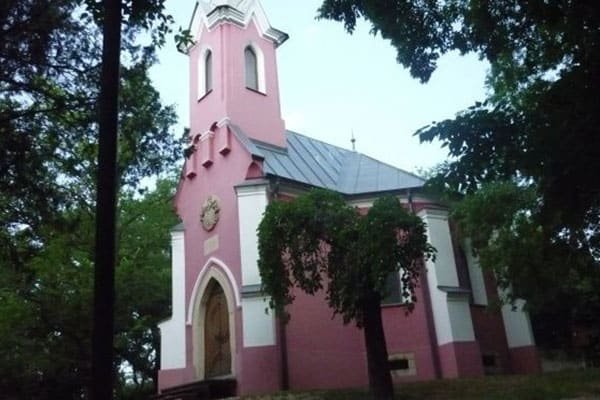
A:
(210, 213)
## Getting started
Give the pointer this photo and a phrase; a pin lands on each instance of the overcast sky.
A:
(333, 83)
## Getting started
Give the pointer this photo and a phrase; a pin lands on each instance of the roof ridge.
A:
(318, 140)
(245, 140)
(267, 145)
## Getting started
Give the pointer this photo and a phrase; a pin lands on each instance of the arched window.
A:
(205, 71)
(208, 71)
(251, 68)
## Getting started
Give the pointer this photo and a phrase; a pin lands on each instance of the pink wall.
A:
(217, 180)
(411, 333)
(175, 377)
(489, 332)
(211, 172)
(460, 360)
(225, 172)
(525, 360)
(335, 357)
(260, 370)
(489, 327)
(323, 352)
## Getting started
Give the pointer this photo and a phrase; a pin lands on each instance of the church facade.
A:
(240, 158)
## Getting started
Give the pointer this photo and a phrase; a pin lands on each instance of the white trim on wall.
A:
(476, 277)
(201, 71)
(172, 331)
(259, 326)
(517, 324)
(252, 201)
(451, 313)
(239, 13)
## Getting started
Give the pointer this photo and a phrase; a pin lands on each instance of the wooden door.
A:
(217, 348)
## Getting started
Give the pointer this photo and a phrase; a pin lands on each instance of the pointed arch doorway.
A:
(217, 337)
(212, 317)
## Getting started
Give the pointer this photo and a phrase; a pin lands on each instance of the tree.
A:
(49, 86)
(46, 323)
(50, 61)
(102, 382)
(318, 242)
(49, 76)
(143, 282)
(538, 128)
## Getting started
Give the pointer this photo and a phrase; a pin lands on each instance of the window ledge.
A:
(391, 305)
(252, 291)
(256, 91)
(204, 95)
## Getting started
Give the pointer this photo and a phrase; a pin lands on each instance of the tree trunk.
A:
(157, 361)
(380, 380)
(106, 200)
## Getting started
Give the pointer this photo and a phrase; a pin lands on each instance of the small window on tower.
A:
(251, 68)
(205, 72)
(208, 71)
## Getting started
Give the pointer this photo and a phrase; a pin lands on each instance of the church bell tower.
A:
(233, 70)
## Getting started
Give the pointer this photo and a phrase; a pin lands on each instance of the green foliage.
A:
(498, 220)
(571, 384)
(46, 319)
(183, 38)
(50, 59)
(320, 242)
(138, 15)
(534, 36)
(143, 278)
(49, 88)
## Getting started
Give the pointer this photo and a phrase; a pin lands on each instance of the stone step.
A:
(202, 390)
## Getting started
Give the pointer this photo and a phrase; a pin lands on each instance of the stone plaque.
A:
(211, 245)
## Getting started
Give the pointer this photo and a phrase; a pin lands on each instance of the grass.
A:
(564, 385)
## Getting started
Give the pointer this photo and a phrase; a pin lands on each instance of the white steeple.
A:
(210, 13)
(218, 3)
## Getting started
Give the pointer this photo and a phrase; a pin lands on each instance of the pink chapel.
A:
(219, 338)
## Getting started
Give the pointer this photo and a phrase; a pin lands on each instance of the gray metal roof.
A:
(316, 163)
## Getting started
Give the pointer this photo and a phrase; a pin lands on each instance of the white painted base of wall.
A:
(172, 344)
(259, 327)
(517, 325)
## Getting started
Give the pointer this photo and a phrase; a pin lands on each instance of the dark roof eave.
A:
(404, 190)
(351, 196)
